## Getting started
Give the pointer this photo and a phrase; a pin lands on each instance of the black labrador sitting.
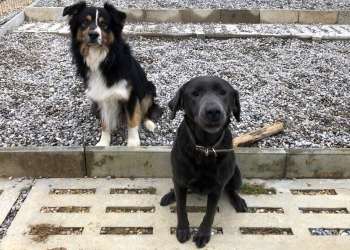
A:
(202, 157)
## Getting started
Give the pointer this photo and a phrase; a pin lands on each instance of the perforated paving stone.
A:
(9, 192)
(99, 229)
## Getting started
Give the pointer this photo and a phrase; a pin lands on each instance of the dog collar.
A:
(208, 150)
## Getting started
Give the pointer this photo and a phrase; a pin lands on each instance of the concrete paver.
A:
(9, 192)
(162, 219)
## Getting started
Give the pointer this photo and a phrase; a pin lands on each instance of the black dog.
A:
(114, 80)
(202, 157)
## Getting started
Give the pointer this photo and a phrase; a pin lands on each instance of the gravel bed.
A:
(204, 4)
(329, 232)
(301, 84)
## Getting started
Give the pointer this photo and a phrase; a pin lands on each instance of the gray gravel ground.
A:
(304, 85)
(214, 4)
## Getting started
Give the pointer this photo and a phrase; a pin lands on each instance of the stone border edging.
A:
(15, 22)
(154, 162)
(233, 16)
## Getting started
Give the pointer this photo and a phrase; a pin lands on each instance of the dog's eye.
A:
(85, 22)
(103, 23)
(195, 93)
(222, 92)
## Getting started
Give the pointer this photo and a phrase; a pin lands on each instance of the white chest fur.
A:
(97, 89)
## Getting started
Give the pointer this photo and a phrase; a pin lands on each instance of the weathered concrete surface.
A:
(42, 161)
(9, 192)
(325, 17)
(200, 15)
(45, 13)
(162, 219)
(279, 16)
(317, 163)
(344, 17)
(128, 161)
(240, 16)
(261, 163)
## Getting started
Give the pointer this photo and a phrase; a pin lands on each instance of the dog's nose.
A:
(93, 34)
(213, 112)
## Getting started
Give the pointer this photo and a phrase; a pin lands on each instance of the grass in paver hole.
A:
(256, 189)
(193, 209)
(267, 210)
(130, 209)
(43, 231)
(266, 231)
(127, 230)
(70, 209)
(323, 210)
(73, 191)
(1, 192)
(313, 192)
(150, 190)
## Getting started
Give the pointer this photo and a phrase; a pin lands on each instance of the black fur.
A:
(204, 175)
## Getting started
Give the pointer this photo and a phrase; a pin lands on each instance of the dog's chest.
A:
(97, 88)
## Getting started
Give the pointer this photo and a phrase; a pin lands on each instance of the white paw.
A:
(149, 125)
(105, 139)
(134, 142)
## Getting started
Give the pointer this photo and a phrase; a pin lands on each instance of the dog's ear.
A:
(236, 106)
(176, 103)
(73, 9)
(118, 16)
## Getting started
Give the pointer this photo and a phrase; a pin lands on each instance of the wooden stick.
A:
(257, 135)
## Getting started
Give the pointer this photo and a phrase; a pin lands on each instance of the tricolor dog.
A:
(114, 80)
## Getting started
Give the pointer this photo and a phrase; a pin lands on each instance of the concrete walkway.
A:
(161, 220)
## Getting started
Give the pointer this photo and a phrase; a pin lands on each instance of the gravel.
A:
(204, 4)
(302, 84)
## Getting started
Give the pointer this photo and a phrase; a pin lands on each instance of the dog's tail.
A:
(154, 111)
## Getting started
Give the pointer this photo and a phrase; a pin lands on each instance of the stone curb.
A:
(209, 15)
(14, 22)
(154, 162)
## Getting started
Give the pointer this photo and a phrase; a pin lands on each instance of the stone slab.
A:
(162, 219)
(9, 192)
(42, 161)
(160, 16)
(279, 16)
(324, 17)
(317, 163)
(44, 13)
(128, 161)
(240, 16)
(261, 163)
(344, 17)
(200, 16)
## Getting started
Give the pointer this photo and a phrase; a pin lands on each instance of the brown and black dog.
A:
(202, 157)
(113, 79)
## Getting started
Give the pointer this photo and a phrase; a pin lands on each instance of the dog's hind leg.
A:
(168, 199)
(232, 186)
(133, 116)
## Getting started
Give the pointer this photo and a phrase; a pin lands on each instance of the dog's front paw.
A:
(168, 199)
(240, 205)
(201, 239)
(134, 142)
(183, 235)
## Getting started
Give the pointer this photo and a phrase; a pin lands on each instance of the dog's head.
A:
(93, 26)
(208, 101)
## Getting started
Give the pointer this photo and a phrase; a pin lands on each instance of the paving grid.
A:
(9, 192)
(162, 219)
(213, 30)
